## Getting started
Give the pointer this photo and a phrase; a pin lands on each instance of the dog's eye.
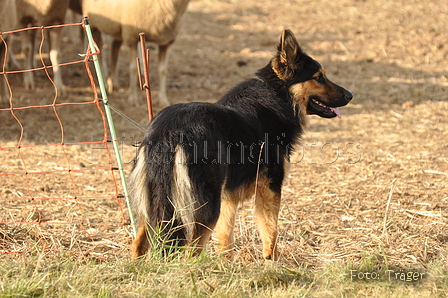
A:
(320, 78)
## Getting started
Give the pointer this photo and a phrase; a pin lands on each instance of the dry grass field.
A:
(370, 187)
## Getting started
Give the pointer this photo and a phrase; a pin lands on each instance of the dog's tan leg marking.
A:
(267, 207)
(140, 245)
(226, 222)
(202, 238)
(224, 231)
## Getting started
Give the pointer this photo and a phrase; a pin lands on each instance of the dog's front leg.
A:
(267, 207)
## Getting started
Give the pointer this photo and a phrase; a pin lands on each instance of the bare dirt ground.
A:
(370, 185)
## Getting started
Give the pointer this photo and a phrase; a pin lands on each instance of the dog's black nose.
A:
(348, 96)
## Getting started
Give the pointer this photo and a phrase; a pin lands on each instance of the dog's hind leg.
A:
(201, 237)
(267, 207)
(224, 231)
(140, 245)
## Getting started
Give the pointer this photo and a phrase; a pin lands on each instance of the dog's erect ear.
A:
(288, 48)
(288, 55)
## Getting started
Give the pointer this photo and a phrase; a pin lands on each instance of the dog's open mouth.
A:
(322, 110)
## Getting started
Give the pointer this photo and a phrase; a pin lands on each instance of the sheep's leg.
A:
(55, 48)
(112, 82)
(3, 88)
(28, 51)
(133, 76)
(76, 35)
(12, 60)
(163, 71)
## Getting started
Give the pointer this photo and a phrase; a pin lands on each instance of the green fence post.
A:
(110, 122)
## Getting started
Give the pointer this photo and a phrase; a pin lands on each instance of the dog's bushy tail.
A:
(183, 198)
(138, 186)
(161, 193)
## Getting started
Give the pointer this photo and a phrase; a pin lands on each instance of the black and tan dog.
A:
(198, 161)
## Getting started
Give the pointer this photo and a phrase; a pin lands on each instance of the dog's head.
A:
(311, 91)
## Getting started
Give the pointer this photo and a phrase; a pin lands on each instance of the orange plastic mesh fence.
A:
(58, 187)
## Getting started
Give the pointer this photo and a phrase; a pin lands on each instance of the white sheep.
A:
(41, 13)
(124, 20)
(7, 23)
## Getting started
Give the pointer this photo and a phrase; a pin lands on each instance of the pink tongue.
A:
(336, 111)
